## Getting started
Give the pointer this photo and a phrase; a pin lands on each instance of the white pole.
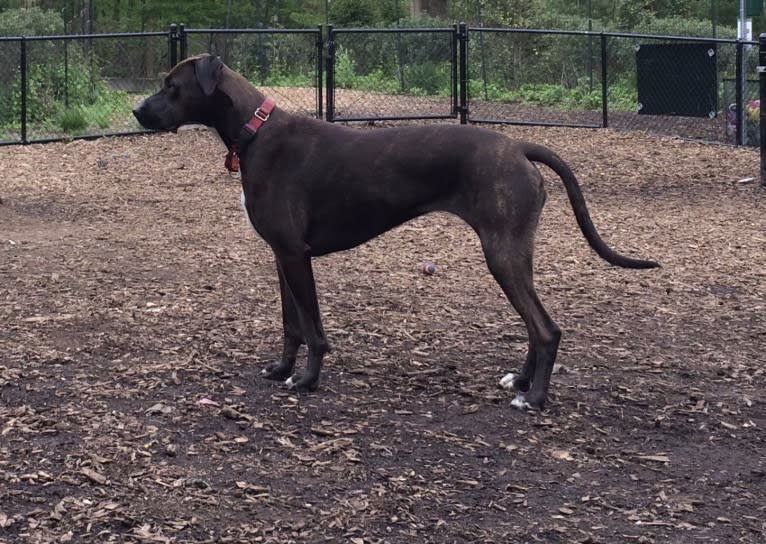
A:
(742, 34)
(741, 31)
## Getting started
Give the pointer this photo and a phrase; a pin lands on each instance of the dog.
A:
(310, 188)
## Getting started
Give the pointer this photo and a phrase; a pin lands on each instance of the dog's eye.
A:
(173, 89)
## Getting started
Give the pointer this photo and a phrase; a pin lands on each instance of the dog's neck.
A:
(239, 103)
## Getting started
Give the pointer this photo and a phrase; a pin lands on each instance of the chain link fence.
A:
(534, 77)
(11, 94)
(59, 87)
(389, 74)
(77, 86)
(664, 85)
(679, 87)
(285, 64)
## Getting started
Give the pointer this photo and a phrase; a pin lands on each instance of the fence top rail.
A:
(391, 30)
(679, 38)
(252, 30)
(610, 35)
(316, 31)
(68, 37)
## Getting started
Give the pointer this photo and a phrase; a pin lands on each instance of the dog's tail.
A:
(538, 153)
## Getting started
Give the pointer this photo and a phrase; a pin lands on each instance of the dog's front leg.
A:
(298, 279)
(522, 382)
(293, 335)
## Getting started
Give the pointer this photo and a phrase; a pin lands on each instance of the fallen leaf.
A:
(159, 408)
(562, 455)
(93, 475)
(656, 458)
(5, 521)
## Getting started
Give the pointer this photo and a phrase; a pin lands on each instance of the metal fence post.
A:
(483, 54)
(399, 55)
(463, 68)
(762, 81)
(604, 84)
(330, 74)
(172, 49)
(24, 90)
(66, 73)
(455, 75)
(183, 40)
(740, 93)
(320, 74)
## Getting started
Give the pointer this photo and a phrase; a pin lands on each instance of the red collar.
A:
(247, 133)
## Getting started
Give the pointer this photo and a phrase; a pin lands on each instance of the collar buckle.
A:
(262, 117)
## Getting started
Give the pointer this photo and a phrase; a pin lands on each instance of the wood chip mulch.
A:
(137, 309)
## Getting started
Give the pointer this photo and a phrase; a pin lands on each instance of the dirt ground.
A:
(137, 309)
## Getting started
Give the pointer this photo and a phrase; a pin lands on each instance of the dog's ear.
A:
(208, 70)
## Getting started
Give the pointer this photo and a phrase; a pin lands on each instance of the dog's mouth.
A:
(148, 119)
(163, 127)
(174, 127)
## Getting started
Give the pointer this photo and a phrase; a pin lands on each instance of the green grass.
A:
(102, 114)
(72, 120)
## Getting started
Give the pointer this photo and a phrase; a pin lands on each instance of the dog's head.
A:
(189, 94)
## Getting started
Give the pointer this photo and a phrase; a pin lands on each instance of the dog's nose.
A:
(142, 116)
(137, 111)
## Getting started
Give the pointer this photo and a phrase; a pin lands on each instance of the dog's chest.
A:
(243, 201)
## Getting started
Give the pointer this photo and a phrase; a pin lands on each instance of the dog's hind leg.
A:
(510, 262)
(293, 336)
(300, 288)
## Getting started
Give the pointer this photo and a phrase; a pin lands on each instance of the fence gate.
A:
(392, 74)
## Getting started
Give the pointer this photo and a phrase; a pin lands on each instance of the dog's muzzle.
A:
(149, 120)
(139, 113)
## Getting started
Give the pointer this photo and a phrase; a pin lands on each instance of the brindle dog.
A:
(311, 188)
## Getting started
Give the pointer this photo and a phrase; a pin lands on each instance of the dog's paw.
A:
(521, 402)
(514, 381)
(301, 384)
(277, 371)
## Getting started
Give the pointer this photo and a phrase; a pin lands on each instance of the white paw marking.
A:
(244, 207)
(521, 403)
(506, 382)
(290, 383)
(264, 372)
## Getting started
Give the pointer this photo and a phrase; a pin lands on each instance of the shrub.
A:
(427, 78)
(72, 120)
(275, 59)
(375, 80)
(65, 91)
(623, 95)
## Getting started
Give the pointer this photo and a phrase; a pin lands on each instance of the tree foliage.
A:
(30, 22)
(84, 16)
